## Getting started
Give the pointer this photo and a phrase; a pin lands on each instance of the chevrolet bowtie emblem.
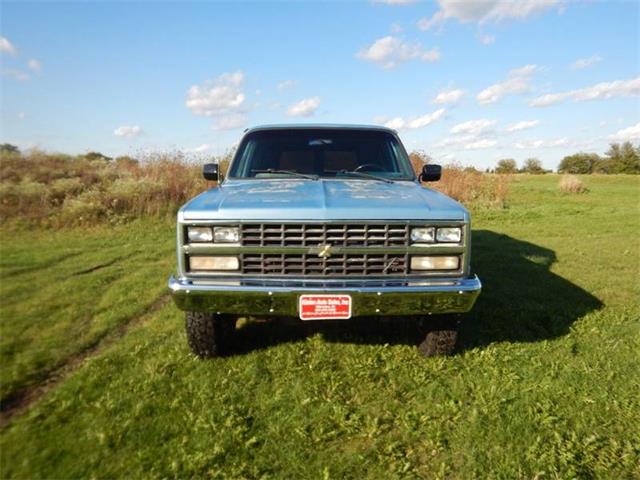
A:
(325, 251)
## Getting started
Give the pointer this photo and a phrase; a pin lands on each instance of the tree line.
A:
(620, 158)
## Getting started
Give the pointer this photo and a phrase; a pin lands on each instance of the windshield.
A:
(327, 153)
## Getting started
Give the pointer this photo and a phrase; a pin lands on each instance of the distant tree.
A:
(623, 158)
(97, 156)
(419, 158)
(8, 148)
(507, 165)
(579, 163)
(604, 165)
(533, 165)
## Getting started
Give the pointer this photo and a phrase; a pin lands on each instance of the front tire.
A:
(441, 337)
(209, 335)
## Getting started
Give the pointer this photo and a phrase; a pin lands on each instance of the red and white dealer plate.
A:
(324, 307)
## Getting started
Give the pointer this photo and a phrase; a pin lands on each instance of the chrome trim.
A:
(462, 248)
(434, 249)
(259, 296)
(423, 222)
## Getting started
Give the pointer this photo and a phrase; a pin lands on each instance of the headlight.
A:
(449, 234)
(435, 263)
(226, 234)
(202, 263)
(423, 235)
(200, 234)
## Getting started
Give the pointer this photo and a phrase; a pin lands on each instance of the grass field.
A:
(97, 379)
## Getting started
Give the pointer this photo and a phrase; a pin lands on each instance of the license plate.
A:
(325, 307)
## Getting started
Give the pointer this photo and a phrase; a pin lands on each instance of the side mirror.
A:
(210, 172)
(431, 173)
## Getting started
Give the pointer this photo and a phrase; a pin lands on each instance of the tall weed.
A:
(571, 184)
(472, 187)
(60, 190)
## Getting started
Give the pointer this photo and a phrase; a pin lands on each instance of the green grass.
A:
(546, 383)
(63, 291)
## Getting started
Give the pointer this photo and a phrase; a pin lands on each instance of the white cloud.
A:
(484, 11)
(450, 96)
(534, 144)
(629, 134)
(390, 51)
(525, 124)
(470, 135)
(34, 65)
(230, 122)
(219, 96)
(128, 131)
(482, 143)
(466, 142)
(396, 27)
(549, 99)
(399, 123)
(582, 63)
(304, 108)
(517, 82)
(486, 39)
(205, 147)
(15, 74)
(7, 47)
(600, 91)
(473, 127)
(22, 115)
(286, 84)
(438, 18)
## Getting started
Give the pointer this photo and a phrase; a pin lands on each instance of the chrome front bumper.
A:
(245, 296)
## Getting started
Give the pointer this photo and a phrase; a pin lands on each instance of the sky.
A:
(468, 82)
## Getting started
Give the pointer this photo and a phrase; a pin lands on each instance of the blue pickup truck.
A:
(322, 222)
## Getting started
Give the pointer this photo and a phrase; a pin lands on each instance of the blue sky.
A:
(470, 82)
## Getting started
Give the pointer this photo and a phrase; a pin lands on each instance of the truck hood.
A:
(323, 199)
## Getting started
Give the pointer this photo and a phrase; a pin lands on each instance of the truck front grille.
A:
(310, 264)
(312, 235)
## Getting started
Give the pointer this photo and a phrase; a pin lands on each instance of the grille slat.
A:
(311, 235)
(310, 264)
(314, 235)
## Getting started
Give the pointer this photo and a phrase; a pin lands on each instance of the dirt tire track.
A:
(20, 401)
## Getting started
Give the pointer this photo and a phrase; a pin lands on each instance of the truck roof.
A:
(328, 126)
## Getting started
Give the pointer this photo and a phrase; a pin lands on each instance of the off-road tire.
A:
(441, 336)
(209, 335)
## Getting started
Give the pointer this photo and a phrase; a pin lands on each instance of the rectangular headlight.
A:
(449, 234)
(435, 263)
(226, 234)
(210, 263)
(200, 234)
(423, 235)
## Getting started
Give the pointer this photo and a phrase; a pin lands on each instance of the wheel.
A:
(208, 334)
(441, 336)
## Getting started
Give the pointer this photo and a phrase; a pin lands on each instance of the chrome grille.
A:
(312, 235)
(310, 264)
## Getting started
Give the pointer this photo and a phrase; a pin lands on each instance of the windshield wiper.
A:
(362, 174)
(287, 172)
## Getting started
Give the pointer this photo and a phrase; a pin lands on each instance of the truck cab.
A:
(322, 223)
